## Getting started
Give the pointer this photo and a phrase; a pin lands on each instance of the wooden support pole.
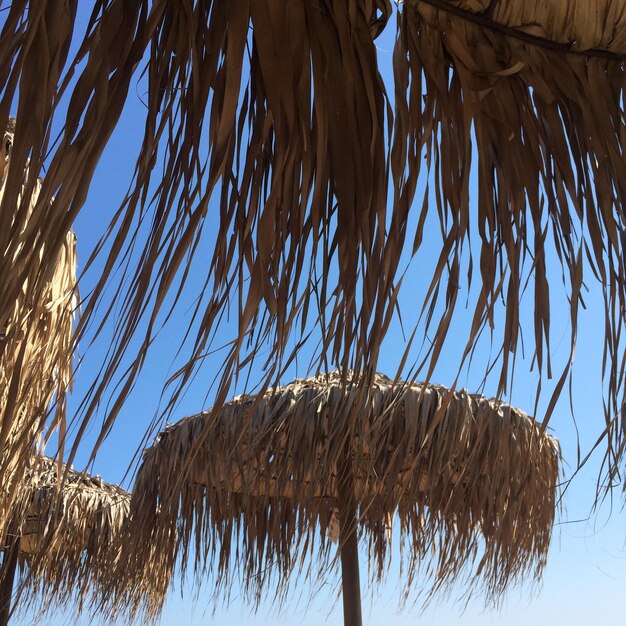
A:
(9, 566)
(348, 544)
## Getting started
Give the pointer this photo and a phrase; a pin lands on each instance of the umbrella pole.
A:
(9, 566)
(348, 543)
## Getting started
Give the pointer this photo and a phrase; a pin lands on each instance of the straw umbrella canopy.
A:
(281, 108)
(248, 488)
(65, 533)
(36, 350)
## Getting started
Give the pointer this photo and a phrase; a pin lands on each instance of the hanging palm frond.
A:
(471, 481)
(534, 91)
(292, 109)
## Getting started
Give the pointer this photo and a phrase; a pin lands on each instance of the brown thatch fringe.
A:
(281, 105)
(67, 535)
(471, 480)
(290, 101)
(548, 130)
(35, 347)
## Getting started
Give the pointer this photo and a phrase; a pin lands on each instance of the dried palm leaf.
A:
(471, 481)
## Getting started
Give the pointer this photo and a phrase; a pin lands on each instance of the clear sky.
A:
(586, 573)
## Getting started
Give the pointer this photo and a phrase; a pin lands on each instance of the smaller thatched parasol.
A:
(471, 480)
(65, 533)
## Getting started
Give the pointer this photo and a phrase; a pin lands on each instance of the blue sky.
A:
(586, 572)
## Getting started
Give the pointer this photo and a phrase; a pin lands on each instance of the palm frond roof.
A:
(248, 492)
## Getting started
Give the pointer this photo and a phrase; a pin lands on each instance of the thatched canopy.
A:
(530, 96)
(67, 533)
(252, 489)
(281, 107)
(36, 350)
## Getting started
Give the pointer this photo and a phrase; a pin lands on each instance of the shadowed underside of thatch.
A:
(281, 106)
(68, 534)
(471, 481)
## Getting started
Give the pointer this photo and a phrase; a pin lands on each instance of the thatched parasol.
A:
(35, 349)
(471, 480)
(65, 533)
(280, 106)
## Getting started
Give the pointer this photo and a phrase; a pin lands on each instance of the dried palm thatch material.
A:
(67, 534)
(280, 105)
(35, 350)
(471, 480)
(530, 97)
